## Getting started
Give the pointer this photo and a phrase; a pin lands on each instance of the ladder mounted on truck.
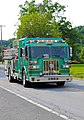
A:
(10, 53)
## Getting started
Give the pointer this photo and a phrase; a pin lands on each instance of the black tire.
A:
(10, 78)
(60, 83)
(24, 82)
(16, 79)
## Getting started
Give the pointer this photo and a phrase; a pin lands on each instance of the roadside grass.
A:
(77, 70)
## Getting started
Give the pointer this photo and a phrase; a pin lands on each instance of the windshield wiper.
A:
(58, 56)
(39, 58)
(45, 55)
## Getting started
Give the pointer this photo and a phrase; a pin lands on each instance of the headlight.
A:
(34, 67)
(37, 67)
(66, 66)
(67, 61)
(33, 62)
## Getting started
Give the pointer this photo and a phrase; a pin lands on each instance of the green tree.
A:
(82, 55)
(41, 17)
(46, 6)
(37, 25)
(80, 30)
(46, 20)
(77, 42)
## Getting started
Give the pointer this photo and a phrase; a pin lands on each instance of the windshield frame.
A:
(48, 51)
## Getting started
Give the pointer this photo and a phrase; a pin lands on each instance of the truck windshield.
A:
(49, 51)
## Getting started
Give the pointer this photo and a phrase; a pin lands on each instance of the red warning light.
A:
(50, 61)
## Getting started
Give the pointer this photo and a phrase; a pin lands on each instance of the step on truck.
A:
(38, 60)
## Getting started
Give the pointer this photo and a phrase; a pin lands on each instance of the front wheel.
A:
(24, 79)
(60, 83)
(10, 78)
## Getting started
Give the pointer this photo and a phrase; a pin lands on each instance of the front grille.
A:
(50, 66)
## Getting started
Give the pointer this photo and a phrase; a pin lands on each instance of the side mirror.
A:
(26, 52)
(70, 51)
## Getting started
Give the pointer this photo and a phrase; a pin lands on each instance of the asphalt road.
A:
(13, 107)
(44, 102)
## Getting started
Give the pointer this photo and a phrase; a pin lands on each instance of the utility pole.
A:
(1, 26)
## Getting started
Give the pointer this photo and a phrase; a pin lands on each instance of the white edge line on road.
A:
(37, 104)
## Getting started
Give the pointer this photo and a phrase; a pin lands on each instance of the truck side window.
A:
(20, 52)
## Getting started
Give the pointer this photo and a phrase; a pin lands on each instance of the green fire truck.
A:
(38, 60)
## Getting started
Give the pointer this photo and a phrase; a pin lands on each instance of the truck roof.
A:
(27, 39)
(42, 41)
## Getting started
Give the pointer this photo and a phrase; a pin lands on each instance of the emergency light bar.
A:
(45, 41)
(42, 40)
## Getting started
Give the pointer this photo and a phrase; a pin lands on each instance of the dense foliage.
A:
(41, 20)
(46, 19)
(38, 25)
(79, 44)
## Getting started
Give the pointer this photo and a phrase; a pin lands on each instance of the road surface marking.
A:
(37, 104)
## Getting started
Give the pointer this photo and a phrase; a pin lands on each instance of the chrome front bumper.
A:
(51, 78)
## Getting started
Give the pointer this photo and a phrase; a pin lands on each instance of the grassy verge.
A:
(77, 70)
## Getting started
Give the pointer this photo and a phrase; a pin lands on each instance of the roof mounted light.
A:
(56, 40)
(47, 41)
